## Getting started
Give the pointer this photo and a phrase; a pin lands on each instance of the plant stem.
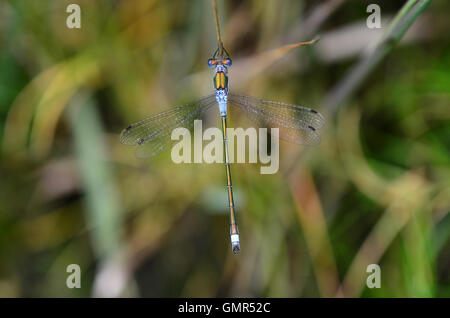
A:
(394, 32)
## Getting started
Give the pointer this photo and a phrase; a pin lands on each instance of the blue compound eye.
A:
(227, 62)
(212, 62)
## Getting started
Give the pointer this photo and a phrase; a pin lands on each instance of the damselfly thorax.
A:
(220, 65)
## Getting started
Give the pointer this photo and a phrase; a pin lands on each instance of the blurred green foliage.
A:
(377, 190)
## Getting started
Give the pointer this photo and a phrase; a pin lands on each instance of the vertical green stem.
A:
(394, 32)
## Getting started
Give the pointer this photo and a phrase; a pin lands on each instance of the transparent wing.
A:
(297, 124)
(152, 135)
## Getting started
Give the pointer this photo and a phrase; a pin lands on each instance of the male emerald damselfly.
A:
(297, 124)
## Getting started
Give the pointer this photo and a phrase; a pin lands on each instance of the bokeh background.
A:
(376, 191)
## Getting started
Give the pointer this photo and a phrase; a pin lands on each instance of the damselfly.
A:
(296, 124)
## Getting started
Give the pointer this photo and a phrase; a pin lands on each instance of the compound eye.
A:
(212, 62)
(227, 62)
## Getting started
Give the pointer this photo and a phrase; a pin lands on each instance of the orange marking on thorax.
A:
(222, 80)
(217, 80)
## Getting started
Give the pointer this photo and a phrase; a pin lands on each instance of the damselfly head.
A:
(219, 61)
(220, 57)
